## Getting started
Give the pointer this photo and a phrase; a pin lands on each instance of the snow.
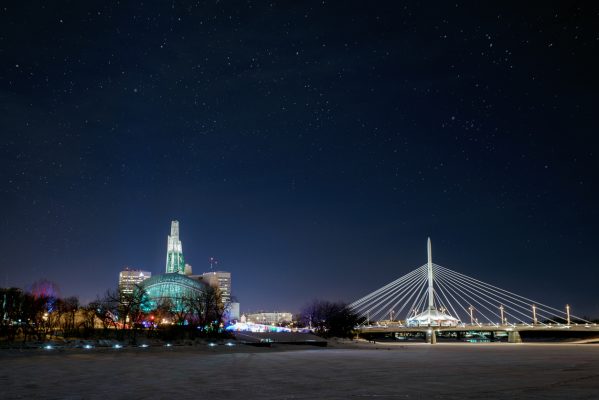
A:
(385, 371)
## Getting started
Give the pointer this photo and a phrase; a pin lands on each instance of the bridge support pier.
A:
(514, 337)
(431, 337)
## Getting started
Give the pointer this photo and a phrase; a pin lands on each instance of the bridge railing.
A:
(479, 325)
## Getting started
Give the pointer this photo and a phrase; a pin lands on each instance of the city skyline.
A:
(311, 148)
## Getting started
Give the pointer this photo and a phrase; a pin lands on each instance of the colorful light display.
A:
(251, 327)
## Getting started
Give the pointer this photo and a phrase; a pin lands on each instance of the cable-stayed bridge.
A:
(434, 298)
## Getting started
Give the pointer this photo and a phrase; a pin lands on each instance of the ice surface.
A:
(381, 371)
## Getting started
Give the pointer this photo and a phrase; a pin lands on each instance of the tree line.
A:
(329, 319)
(118, 314)
(125, 314)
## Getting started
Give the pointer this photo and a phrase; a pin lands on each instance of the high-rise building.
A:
(222, 281)
(128, 278)
(217, 279)
(174, 251)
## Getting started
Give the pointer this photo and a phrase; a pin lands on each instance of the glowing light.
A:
(118, 346)
(251, 327)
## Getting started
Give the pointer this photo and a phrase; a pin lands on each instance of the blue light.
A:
(251, 327)
(118, 346)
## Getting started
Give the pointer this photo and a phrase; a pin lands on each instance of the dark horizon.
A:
(310, 148)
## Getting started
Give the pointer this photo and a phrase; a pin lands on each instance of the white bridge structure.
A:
(435, 297)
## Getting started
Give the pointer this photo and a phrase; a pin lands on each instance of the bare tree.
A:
(164, 311)
(11, 312)
(69, 307)
(329, 319)
(207, 309)
(125, 308)
(88, 322)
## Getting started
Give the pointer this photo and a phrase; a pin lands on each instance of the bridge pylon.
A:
(432, 295)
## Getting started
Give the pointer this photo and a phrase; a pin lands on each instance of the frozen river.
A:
(413, 371)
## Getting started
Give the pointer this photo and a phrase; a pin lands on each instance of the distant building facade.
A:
(269, 318)
(233, 312)
(217, 279)
(128, 278)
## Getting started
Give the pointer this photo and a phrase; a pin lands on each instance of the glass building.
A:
(171, 287)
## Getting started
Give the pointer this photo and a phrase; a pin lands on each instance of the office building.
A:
(128, 278)
(220, 280)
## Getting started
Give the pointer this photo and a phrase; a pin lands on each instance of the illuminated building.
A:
(174, 251)
(188, 270)
(269, 318)
(174, 285)
(220, 280)
(128, 278)
(172, 288)
(233, 312)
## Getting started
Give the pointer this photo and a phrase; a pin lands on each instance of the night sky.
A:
(310, 147)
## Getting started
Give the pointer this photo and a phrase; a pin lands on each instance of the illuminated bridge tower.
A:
(174, 251)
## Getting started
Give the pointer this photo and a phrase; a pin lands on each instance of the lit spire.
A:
(430, 274)
(174, 251)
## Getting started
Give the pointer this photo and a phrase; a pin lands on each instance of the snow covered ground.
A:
(381, 371)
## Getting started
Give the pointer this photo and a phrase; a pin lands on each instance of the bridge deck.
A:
(481, 328)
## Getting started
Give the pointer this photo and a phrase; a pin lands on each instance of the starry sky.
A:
(311, 147)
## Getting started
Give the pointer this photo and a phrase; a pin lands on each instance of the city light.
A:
(251, 327)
